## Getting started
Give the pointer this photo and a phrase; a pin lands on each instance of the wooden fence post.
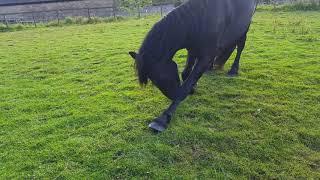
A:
(161, 10)
(114, 12)
(89, 16)
(114, 8)
(58, 17)
(139, 13)
(34, 20)
(5, 20)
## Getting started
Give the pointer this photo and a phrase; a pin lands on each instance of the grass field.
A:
(71, 107)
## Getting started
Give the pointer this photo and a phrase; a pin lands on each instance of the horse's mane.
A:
(150, 48)
(140, 71)
(159, 44)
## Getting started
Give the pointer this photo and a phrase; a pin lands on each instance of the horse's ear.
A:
(133, 55)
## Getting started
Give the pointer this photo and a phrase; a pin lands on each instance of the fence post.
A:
(34, 20)
(5, 20)
(114, 12)
(114, 5)
(161, 10)
(58, 17)
(89, 16)
(139, 14)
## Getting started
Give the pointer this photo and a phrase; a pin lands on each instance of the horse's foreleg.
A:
(197, 72)
(191, 61)
(235, 66)
(161, 123)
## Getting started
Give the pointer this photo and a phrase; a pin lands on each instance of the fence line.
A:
(34, 17)
(69, 9)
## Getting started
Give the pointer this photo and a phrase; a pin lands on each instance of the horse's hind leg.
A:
(220, 61)
(235, 66)
(188, 68)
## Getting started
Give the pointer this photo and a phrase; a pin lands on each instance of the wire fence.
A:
(36, 17)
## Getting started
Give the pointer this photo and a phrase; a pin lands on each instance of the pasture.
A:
(71, 107)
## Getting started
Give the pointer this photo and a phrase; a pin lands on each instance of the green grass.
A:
(294, 6)
(71, 107)
(62, 22)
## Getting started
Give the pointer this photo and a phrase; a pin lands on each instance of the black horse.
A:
(210, 30)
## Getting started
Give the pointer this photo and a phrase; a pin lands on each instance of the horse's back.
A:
(242, 12)
(218, 22)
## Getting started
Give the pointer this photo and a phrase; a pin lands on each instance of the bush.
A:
(94, 20)
(299, 6)
(107, 20)
(3, 28)
(80, 20)
(68, 20)
(302, 7)
(53, 23)
(18, 27)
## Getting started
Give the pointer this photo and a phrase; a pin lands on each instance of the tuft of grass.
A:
(301, 6)
(53, 24)
(295, 6)
(71, 107)
(3, 27)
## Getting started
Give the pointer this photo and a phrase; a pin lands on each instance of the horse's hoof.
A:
(160, 124)
(157, 127)
(232, 74)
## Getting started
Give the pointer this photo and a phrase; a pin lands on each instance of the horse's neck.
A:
(165, 39)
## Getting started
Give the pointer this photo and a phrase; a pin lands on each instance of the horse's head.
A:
(163, 74)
